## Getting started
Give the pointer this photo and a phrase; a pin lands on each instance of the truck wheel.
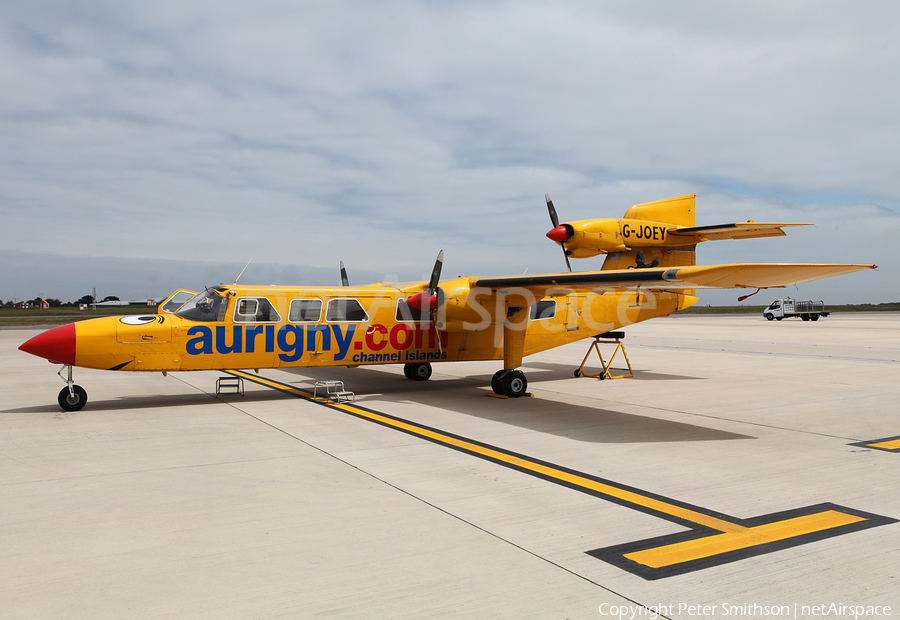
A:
(813, 317)
(770, 316)
(804, 317)
(778, 318)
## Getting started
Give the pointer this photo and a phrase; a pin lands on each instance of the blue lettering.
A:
(270, 338)
(311, 331)
(292, 350)
(250, 334)
(343, 341)
(202, 343)
(235, 340)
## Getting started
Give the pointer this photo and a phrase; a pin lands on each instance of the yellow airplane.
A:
(230, 327)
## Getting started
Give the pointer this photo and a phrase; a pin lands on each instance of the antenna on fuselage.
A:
(344, 280)
(242, 271)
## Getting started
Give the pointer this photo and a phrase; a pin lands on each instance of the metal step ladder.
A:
(335, 391)
(231, 385)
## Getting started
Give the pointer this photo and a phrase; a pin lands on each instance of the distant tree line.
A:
(55, 303)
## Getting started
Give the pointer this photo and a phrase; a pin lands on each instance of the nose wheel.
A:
(72, 397)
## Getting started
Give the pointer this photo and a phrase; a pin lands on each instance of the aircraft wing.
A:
(738, 275)
(739, 230)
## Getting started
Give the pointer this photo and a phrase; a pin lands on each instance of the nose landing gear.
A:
(72, 397)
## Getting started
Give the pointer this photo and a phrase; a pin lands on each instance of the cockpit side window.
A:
(205, 307)
(255, 310)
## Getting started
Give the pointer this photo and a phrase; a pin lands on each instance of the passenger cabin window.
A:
(255, 310)
(305, 311)
(545, 309)
(348, 310)
(205, 307)
(408, 314)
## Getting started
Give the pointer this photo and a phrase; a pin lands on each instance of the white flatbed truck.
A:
(785, 308)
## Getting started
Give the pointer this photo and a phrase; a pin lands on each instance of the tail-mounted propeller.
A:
(428, 299)
(560, 233)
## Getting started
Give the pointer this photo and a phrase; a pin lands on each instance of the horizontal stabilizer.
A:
(739, 230)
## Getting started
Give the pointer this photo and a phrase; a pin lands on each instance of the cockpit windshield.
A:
(208, 306)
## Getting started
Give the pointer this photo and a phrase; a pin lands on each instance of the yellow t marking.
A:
(708, 546)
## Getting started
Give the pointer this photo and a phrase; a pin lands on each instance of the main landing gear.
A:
(511, 383)
(72, 397)
(418, 371)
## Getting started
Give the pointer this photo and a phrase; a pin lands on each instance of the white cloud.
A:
(306, 133)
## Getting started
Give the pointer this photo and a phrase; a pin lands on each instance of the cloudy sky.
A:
(150, 145)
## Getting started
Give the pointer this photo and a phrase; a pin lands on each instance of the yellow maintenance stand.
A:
(595, 346)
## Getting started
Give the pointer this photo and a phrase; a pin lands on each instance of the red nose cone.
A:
(558, 234)
(57, 345)
(421, 301)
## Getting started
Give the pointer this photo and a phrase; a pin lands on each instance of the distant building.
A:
(133, 302)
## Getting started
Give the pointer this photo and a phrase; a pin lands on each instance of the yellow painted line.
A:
(551, 472)
(886, 445)
(625, 495)
(750, 537)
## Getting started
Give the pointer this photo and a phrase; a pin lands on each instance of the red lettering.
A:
(395, 337)
(370, 337)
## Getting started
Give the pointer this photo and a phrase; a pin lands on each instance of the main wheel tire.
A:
(496, 381)
(72, 402)
(770, 316)
(514, 383)
(417, 372)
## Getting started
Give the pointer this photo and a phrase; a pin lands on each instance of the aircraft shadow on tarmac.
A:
(126, 403)
(556, 372)
(464, 395)
(468, 396)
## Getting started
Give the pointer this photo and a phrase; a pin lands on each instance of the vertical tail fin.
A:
(676, 211)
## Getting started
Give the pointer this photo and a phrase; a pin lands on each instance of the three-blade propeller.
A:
(428, 298)
(560, 233)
